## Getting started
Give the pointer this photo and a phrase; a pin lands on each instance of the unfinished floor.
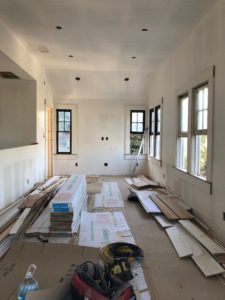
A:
(168, 276)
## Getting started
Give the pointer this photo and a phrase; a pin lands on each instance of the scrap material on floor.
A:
(19, 216)
(186, 239)
(113, 222)
(98, 229)
(110, 196)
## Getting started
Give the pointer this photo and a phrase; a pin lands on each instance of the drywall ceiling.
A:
(102, 36)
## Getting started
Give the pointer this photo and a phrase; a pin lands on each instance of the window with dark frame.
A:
(155, 132)
(193, 161)
(182, 141)
(200, 130)
(151, 131)
(63, 131)
(137, 127)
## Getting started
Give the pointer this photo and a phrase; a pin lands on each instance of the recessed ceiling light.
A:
(58, 27)
(70, 55)
(126, 79)
(77, 78)
(43, 49)
(144, 29)
(133, 57)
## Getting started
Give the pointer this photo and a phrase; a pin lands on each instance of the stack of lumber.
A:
(67, 205)
(19, 215)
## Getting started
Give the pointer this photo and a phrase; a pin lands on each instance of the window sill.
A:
(134, 157)
(201, 184)
(155, 161)
(65, 156)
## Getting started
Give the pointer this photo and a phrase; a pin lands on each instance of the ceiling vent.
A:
(8, 75)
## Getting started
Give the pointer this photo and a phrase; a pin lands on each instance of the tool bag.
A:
(95, 282)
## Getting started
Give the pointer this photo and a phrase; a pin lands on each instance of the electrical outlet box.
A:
(224, 215)
(106, 164)
(76, 164)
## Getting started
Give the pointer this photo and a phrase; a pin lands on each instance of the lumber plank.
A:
(164, 208)
(202, 258)
(162, 220)
(176, 208)
(147, 203)
(205, 240)
(4, 234)
(179, 241)
(207, 264)
(129, 181)
(20, 221)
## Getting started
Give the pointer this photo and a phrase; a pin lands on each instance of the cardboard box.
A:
(55, 263)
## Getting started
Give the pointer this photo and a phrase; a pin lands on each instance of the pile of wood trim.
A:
(25, 211)
(188, 239)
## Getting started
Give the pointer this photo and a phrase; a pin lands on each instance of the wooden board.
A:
(179, 241)
(176, 208)
(147, 203)
(162, 220)
(129, 181)
(198, 234)
(206, 263)
(164, 208)
(4, 234)
(20, 221)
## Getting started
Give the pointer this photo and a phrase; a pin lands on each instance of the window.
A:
(137, 127)
(182, 142)
(151, 131)
(200, 131)
(155, 132)
(63, 131)
(194, 117)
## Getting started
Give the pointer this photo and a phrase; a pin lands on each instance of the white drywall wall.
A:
(95, 121)
(21, 167)
(17, 112)
(204, 47)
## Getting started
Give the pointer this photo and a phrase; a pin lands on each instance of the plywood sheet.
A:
(198, 234)
(179, 241)
(164, 208)
(146, 201)
(175, 207)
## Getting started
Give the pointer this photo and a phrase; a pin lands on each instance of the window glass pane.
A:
(200, 120)
(135, 143)
(184, 114)
(61, 115)
(61, 126)
(201, 155)
(67, 116)
(134, 127)
(64, 142)
(67, 126)
(182, 149)
(151, 147)
(140, 127)
(157, 146)
(201, 98)
(140, 117)
(134, 117)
